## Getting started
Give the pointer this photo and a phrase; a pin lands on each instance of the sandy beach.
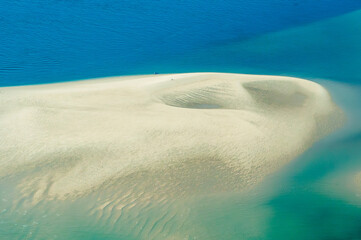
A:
(69, 139)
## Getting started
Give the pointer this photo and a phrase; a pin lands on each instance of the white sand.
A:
(72, 138)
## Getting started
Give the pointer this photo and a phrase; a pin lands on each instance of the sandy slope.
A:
(196, 132)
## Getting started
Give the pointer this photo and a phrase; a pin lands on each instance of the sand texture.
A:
(178, 134)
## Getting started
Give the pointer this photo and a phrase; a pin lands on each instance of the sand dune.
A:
(177, 133)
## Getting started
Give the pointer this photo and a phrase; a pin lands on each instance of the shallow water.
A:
(311, 198)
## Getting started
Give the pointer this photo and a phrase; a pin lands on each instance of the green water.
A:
(311, 198)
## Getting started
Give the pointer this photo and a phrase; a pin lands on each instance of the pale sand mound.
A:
(192, 132)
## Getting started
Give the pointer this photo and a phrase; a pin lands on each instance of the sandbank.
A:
(68, 139)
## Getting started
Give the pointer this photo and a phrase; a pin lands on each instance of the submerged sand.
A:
(177, 133)
(357, 180)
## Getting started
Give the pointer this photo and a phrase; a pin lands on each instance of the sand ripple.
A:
(178, 135)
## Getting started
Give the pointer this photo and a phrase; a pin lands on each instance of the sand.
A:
(196, 132)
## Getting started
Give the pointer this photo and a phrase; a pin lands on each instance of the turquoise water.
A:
(311, 198)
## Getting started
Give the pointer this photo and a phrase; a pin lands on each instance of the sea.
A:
(312, 198)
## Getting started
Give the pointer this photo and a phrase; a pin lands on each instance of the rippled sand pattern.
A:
(128, 155)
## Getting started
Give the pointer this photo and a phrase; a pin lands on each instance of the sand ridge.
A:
(72, 138)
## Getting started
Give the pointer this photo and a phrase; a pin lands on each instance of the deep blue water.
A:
(62, 40)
